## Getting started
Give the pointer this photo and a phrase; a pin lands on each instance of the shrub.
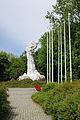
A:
(39, 98)
(49, 86)
(27, 83)
(4, 103)
(62, 102)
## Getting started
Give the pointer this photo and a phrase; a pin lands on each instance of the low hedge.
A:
(62, 102)
(27, 83)
(4, 103)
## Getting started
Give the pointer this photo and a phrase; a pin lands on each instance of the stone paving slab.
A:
(23, 108)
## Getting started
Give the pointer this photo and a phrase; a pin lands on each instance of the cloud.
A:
(22, 21)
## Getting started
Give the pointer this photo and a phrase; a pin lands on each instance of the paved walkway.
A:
(23, 108)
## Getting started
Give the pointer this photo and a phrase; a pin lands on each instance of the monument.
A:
(32, 72)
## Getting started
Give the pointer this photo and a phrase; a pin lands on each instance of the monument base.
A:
(34, 76)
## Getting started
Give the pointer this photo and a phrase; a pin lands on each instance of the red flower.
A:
(37, 87)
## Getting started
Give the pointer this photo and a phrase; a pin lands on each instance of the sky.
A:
(22, 21)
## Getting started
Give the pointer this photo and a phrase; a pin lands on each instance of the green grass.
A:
(62, 102)
(22, 84)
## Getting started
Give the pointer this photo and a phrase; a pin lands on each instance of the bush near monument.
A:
(62, 102)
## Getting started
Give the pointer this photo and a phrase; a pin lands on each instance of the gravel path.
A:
(23, 108)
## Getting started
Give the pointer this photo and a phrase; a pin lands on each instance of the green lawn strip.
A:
(23, 83)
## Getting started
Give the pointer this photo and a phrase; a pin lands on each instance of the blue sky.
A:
(22, 21)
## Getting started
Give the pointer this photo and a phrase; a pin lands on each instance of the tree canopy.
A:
(12, 66)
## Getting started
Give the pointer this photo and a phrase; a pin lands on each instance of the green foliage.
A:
(40, 56)
(49, 86)
(61, 9)
(4, 64)
(27, 83)
(23, 57)
(62, 102)
(11, 66)
(4, 103)
(39, 98)
(16, 68)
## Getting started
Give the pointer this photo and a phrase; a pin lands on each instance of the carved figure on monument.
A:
(32, 73)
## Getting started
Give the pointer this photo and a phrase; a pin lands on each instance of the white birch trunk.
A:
(70, 48)
(52, 60)
(65, 51)
(47, 58)
(58, 56)
(61, 50)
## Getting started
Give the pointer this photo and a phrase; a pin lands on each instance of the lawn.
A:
(22, 84)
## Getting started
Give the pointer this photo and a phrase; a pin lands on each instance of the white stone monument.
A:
(32, 73)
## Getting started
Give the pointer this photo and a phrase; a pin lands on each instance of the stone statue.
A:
(32, 73)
